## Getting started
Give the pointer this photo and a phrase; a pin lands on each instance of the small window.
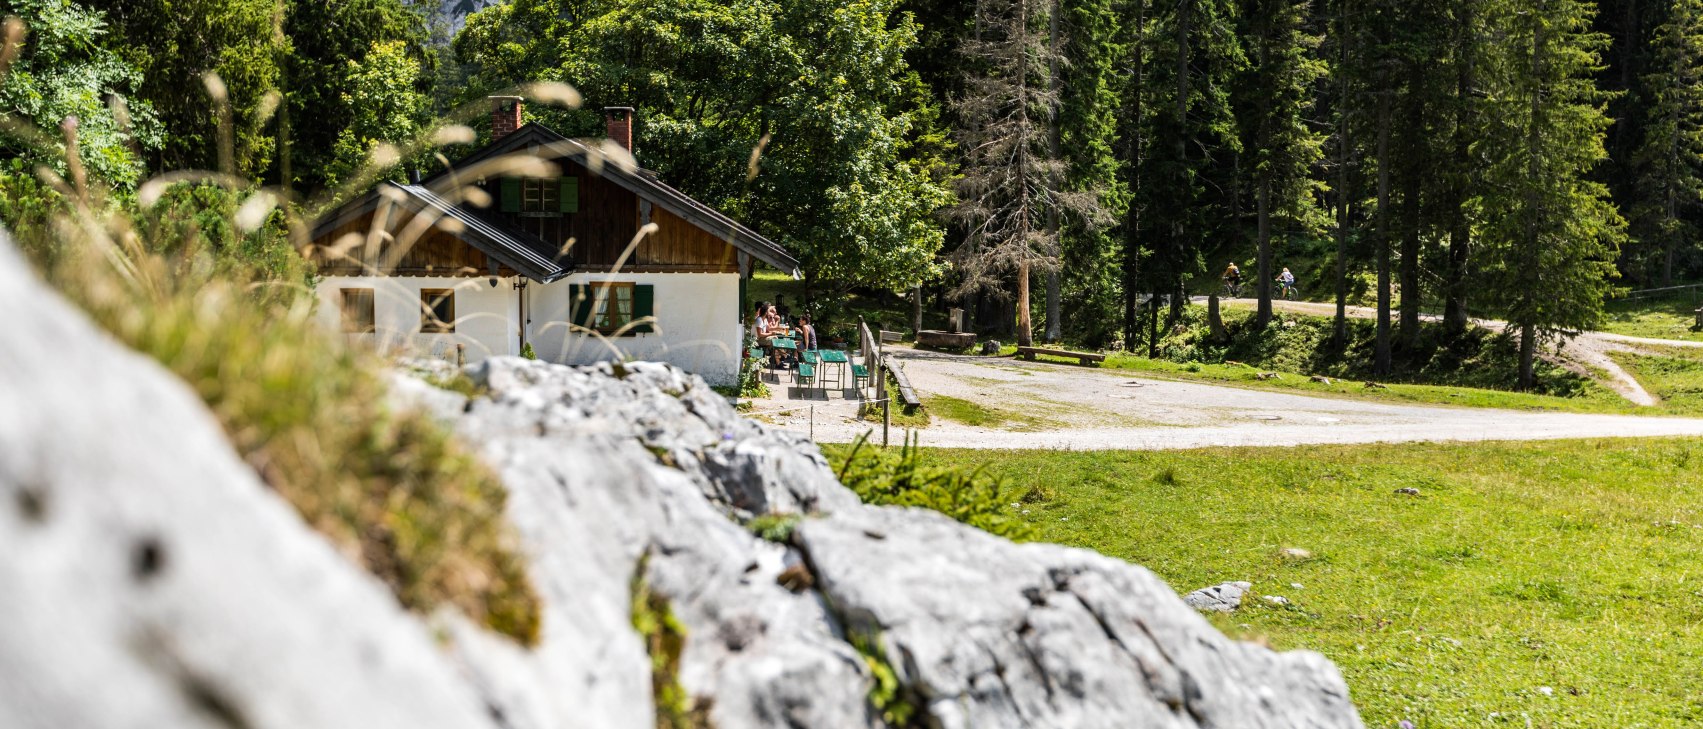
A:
(437, 311)
(358, 315)
(612, 306)
(539, 196)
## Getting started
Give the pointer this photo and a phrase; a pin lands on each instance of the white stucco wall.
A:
(485, 316)
(697, 327)
(697, 324)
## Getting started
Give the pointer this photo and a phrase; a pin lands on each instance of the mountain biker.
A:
(1233, 279)
(1288, 280)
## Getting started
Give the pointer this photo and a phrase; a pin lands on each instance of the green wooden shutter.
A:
(569, 196)
(509, 195)
(644, 304)
(580, 304)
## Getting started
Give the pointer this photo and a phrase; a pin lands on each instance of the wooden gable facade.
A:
(594, 220)
(575, 221)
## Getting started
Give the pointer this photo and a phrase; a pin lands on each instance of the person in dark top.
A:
(807, 335)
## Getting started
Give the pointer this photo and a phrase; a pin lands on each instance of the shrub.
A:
(901, 479)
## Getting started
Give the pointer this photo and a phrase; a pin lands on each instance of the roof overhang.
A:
(527, 254)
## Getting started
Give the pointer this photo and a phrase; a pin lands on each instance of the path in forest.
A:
(1586, 354)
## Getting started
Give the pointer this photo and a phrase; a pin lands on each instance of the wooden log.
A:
(937, 339)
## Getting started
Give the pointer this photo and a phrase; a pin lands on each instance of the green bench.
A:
(860, 376)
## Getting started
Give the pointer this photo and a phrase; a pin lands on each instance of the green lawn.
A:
(1674, 374)
(1571, 565)
(1668, 318)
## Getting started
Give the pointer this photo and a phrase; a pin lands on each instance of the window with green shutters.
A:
(538, 197)
(612, 308)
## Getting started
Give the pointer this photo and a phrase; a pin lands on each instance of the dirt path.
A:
(1051, 406)
(1586, 354)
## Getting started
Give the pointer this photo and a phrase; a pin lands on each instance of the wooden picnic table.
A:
(1029, 353)
(837, 358)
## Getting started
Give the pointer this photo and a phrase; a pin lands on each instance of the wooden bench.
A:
(1029, 353)
(888, 337)
(907, 395)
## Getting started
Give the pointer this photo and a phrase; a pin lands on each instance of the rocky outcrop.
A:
(639, 468)
(150, 580)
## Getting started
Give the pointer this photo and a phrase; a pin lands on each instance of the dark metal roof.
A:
(643, 183)
(532, 256)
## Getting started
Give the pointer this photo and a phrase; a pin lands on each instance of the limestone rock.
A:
(1221, 598)
(990, 633)
(148, 579)
(641, 473)
(624, 470)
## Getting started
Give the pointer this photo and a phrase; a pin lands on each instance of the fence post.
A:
(886, 420)
(812, 423)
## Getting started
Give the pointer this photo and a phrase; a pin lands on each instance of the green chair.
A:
(860, 376)
(806, 372)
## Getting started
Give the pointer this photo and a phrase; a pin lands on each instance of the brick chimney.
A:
(620, 121)
(505, 115)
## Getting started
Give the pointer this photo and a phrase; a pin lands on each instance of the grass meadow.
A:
(1537, 584)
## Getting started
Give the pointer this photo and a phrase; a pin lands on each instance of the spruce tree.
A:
(1551, 228)
(1461, 169)
(1284, 144)
(1012, 182)
(1669, 159)
(1194, 57)
(1088, 130)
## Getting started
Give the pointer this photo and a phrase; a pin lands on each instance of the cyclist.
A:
(1233, 280)
(1287, 280)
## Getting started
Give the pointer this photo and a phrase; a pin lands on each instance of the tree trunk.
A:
(1025, 328)
(1460, 229)
(1264, 317)
(1528, 356)
(1133, 157)
(1054, 331)
(1528, 266)
(1179, 245)
(916, 310)
(1342, 194)
(1214, 320)
(1411, 297)
(1153, 326)
(1381, 350)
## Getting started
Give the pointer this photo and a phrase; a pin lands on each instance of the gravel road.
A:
(1054, 406)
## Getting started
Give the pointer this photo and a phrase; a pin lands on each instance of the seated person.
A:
(768, 328)
(806, 335)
